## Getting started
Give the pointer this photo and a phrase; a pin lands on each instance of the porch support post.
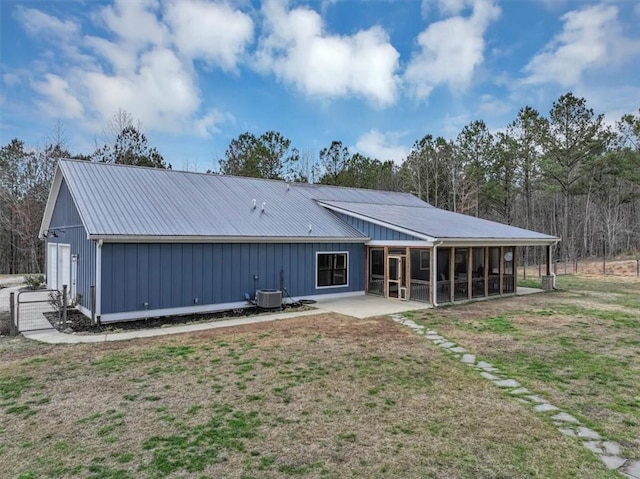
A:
(469, 271)
(433, 284)
(501, 263)
(366, 269)
(386, 271)
(548, 260)
(407, 281)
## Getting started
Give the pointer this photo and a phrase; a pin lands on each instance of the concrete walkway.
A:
(608, 452)
(357, 306)
(362, 306)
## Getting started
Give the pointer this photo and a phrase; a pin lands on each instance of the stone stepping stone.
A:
(594, 446)
(523, 401)
(438, 341)
(612, 448)
(469, 358)
(546, 407)
(434, 336)
(447, 344)
(537, 399)
(633, 469)
(431, 331)
(563, 416)
(520, 391)
(567, 432)
(489, 376)
(483, 365)
(458, 349)
(612, 462)
(587, 433)
(507, 383)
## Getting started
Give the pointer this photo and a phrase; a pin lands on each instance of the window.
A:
(331, 269)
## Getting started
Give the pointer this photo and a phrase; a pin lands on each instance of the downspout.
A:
(435, 273)
(553, 274)
(98, 279)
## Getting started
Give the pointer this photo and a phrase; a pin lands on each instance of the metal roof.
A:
(125, 201)
(358, 195)
(131, 203)
(434, 222)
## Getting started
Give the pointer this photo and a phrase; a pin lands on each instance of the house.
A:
(136, 242)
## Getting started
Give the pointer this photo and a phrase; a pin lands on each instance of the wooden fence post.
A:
(12, 314)
(64, 305)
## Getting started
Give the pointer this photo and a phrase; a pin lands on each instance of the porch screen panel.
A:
(478, 273)
(444, 283)
(376, 271)
(420, 274)
(461, 271)
(508, 279)
(494, 271)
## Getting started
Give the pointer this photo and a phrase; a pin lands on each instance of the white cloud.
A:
(298, 51)
(445, 7)
(136, 23)
(212, 31)
(38, 23)
(208, 124)
(160, 92)
(59, 101)
(591, 38)
(139, 63)
(450, 50)
(382, 146)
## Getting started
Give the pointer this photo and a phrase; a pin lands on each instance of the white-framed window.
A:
(332, 269)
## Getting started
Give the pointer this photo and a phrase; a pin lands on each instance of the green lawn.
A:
(323, 396)
(578, 347)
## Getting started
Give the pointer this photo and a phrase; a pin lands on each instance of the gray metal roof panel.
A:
(358, 195)
(437, 223)
(122, 200)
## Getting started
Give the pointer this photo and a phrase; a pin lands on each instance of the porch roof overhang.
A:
(453, 229)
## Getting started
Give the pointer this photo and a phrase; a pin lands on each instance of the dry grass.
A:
(579, 347)
(321, 396)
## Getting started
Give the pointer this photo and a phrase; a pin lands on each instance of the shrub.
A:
(34, 281)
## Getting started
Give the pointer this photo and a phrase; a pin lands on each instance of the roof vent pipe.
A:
(310, 228)
(263, 205)
(288, 186)
(254, 204)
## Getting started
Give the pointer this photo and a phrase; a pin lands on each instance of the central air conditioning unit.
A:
(269, 298)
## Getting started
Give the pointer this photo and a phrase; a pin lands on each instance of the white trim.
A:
(98, 278)
(225, 239)
(374, 221)
(51, 202)
(462, 242)
(434, 279)
(202, 308)
(346, 285)
(154, 313)
(411, 244)
(321, 297)
(84, 310)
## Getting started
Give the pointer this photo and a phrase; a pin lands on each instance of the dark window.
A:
(332, 269)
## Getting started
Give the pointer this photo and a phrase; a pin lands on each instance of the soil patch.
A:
(79, 323)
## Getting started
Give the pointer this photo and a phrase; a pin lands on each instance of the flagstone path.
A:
(607, 451)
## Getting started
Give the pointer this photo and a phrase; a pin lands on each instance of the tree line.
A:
(567, 173)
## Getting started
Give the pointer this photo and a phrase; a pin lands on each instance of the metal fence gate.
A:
(31, 307)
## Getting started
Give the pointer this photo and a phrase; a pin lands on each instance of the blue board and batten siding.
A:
(375, 232)
(68, 226)
(173, 275)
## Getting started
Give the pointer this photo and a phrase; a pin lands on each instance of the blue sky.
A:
(377, 75)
